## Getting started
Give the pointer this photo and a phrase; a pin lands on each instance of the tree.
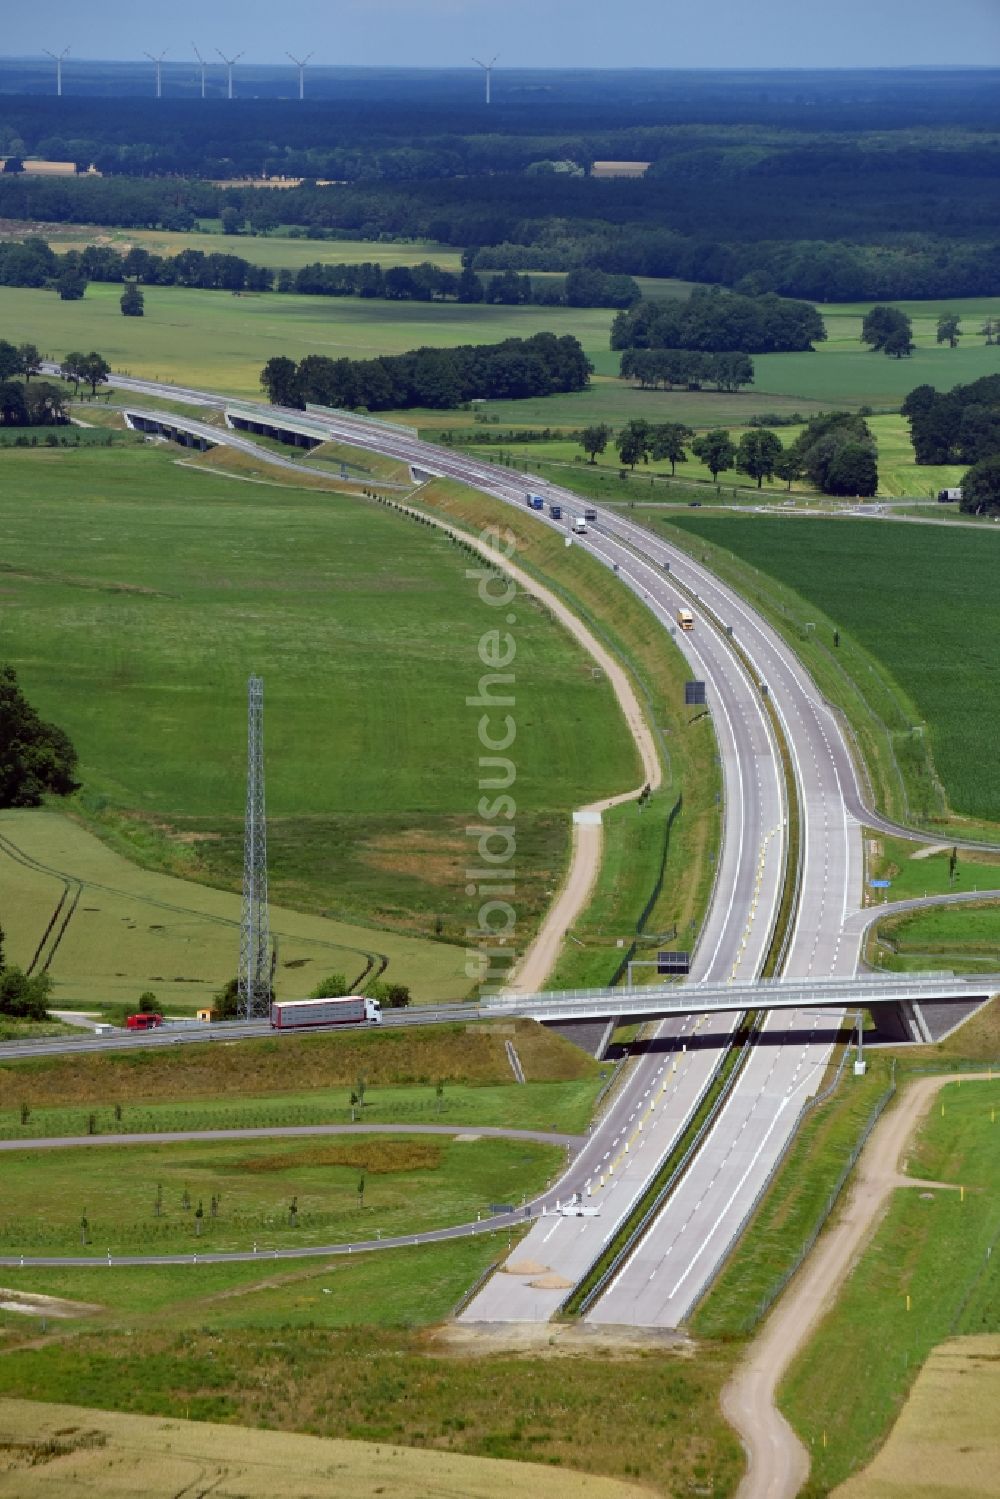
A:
(758, 454)
(853, 471)
(715, 450)
(949, 329)
(594, 440)
(667, 441)
(71, 285)
(24, 998)
(35, 757)
(981, 487)
(72, 368)
(279, 379)
(889, 330)
(226, 1001)
(632, 442)
(263, 219)
(29, 361)
(95, 370)
(10, 363)
(232, 221)
(332, 987)
(132, 303)
(788, 465)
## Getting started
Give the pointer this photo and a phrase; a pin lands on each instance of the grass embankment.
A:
(964, 938)
(392, 1385)
(913, 671)
(638, 853)
(167, 587)
(930, 1272)
(228, 1075)
(226, 1196)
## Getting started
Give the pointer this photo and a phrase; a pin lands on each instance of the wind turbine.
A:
(487, 68)
(157, 64)
(202, 65)
(300, 63)
(230, 63)
(57, 58)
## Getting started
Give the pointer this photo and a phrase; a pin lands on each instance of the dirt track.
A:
(538, 960)
(778, 1464)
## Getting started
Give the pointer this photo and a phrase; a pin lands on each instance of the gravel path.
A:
(778, 1464)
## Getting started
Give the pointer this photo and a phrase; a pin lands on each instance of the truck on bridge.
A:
(347, 1009)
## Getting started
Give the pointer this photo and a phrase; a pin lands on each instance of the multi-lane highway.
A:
(687, 1241)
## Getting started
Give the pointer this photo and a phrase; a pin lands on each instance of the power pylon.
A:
(255, 934)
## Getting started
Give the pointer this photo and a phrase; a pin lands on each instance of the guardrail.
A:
(669, 1185)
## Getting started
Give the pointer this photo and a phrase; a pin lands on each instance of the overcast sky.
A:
(542, 33)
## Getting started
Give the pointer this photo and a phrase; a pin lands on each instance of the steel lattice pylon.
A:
(255, 933)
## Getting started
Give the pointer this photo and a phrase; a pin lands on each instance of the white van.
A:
(579, 525)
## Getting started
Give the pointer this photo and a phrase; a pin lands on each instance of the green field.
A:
(411, 1183)
(846, 1388)
(965, 939)
(161, 588)
(919, 600)
(221, 341)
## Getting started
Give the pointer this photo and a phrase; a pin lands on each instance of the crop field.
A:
(930, 1272)
(945, 1441)
(227, 1195)
(121, 930)
(222, 341)
(119, 1456)
(161, 588)
(920, 600)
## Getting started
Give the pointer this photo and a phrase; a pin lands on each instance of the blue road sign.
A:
(880, 884)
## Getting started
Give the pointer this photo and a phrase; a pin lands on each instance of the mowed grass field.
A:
(146, 1200)
(935, 1247)
(920, 600)
(159, 589)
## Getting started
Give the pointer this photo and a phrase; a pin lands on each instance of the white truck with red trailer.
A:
(300, 1014)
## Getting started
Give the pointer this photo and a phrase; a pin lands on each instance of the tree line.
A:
(836, 451)
(839, 238)
(32, 263)
(719, 321)
(439, 378)
(961, 425)
(687, 369)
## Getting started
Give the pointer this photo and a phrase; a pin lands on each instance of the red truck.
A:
(145, 1021)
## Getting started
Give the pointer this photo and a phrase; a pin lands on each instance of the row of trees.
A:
(437, 378)
(835, 452)
(716, 320)
(686, 368)
(35, 757)
(39, 405)
(32, 263)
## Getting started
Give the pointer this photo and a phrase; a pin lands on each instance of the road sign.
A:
(673, 962)
(694, 694)
(880, 884)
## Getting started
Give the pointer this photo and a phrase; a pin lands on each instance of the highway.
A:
(689, 1239)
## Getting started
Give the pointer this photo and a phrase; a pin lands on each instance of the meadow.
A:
(222, 341)
(928, 1274)
(921, 601)
(161, 588)
(225, 1195)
